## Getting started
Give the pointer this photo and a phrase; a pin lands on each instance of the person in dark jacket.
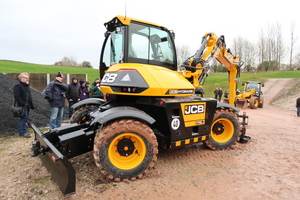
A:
(83, 90)
(97, 93)
(226, 93)
(88, 92)
(216, 93)
(55, 94)
(73, 94)
(220, 93)
(22, 96)
(298, 107)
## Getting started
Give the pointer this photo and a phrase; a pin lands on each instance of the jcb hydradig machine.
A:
(150, 105)
(252, 95)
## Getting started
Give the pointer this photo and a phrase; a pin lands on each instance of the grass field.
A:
(18, 67)
(214, 80)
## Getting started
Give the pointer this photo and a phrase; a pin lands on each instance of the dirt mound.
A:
(39, 116)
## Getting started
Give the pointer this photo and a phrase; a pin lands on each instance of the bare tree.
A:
(292, 45)
(249, 56)
(183, 52)
(261, 44)
(246, 52)
(297, 61)
(271, 48)
(280, 49)
(68, 61)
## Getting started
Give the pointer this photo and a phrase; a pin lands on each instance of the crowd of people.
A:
(55, 93)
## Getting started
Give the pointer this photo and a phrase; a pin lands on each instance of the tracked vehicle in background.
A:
(150, 105)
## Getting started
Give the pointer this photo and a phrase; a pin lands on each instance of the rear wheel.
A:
(125, 149)
(254, 102)
(81, 115)
(224, 131)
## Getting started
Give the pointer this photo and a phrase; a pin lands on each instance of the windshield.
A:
(253, 86)
(144, 44)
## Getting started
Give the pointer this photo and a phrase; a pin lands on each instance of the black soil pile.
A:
(39, 116)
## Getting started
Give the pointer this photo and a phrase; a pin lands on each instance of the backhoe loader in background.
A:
(150, 106)
(251, 96)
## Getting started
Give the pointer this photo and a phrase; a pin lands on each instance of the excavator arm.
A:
(197, 66)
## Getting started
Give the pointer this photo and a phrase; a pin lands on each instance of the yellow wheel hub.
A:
(127, 151)
(222, 130)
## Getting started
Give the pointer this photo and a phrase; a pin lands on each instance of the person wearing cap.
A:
(73, 94)
(55, 94)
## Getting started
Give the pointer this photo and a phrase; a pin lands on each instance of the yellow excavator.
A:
(150, 106)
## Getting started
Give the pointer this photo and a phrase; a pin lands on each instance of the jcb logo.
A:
(193, 109)
(109, 78)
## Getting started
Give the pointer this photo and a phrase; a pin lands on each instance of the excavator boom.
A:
(211, 47)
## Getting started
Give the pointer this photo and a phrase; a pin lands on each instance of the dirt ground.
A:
(267, 167)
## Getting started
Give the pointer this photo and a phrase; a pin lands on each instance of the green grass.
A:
(18, 67)
(214, 80)
(220, 80)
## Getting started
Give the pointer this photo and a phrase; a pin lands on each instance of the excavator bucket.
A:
(241, 103)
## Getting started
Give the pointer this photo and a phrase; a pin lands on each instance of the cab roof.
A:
(127, 20)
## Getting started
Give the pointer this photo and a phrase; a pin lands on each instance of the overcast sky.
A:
(43, 32)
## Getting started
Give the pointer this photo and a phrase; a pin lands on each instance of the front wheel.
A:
(254, 102)
(125, 149)
(224, 130)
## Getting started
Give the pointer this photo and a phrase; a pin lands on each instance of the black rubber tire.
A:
(254, 102)
(224, 130)
(125, 149)
(81, 115)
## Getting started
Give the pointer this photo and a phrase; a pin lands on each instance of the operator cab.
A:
(133, 41)
(253, 85)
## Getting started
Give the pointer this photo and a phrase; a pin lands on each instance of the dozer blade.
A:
(241, 103)
(61, 170)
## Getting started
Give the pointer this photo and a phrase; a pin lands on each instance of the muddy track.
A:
(267, 167)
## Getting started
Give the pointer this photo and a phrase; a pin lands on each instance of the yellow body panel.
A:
(161, 81)
(193, 113)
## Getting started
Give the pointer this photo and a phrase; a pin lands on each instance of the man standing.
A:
(55, 94)
(298, 107)
(73, 94)
(23, 98)
(216, 93)
(220, 93)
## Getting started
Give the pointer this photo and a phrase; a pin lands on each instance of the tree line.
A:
(71, 62)
(268, 53)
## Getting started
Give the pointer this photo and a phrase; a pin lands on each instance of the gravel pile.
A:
(39, 116)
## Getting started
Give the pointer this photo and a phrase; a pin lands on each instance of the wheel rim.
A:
(256, 103)
(127, 151)
(222, 130)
